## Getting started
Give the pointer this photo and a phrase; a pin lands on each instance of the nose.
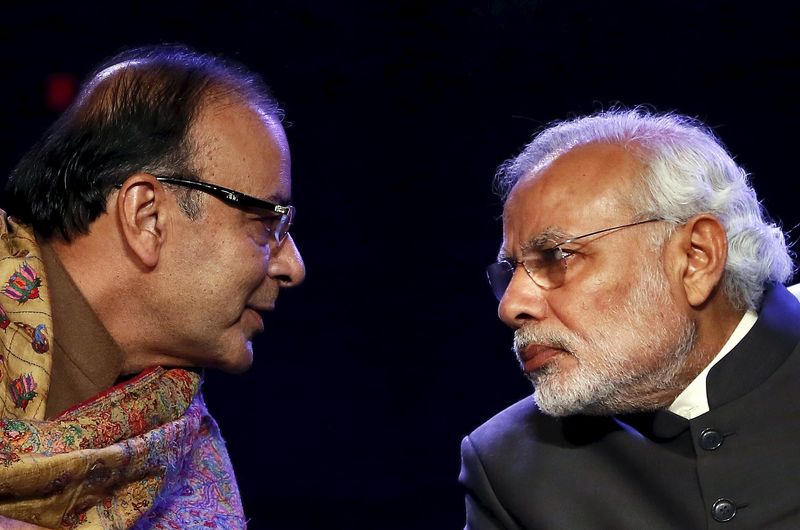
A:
(523, 301)
(286, 265)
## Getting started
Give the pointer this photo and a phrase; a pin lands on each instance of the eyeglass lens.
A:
(546, 268)
(283, 225)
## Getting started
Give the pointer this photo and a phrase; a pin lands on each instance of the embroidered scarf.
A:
(143, 454)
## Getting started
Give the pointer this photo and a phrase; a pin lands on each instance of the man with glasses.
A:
(644, 284)
(148, 231)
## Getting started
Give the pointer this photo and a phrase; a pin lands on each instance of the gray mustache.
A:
(526, 336)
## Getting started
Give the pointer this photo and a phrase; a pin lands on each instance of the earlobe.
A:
(141, 214)
(705, 252)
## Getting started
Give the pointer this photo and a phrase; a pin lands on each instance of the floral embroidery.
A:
(24, 372)
(23, 285)
(8, 458)
(23, 390)
(4, 320)
(160, 462)
(36, 335)
(145, 454)
(73, 519)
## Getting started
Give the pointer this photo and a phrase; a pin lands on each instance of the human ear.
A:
(141, 213)
(702, 254)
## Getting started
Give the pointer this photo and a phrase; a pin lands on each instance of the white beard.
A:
(625, 363)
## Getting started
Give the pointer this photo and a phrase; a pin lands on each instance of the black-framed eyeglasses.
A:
(284, 215)
(547, 268)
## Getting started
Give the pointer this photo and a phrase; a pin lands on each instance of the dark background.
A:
(398, 114)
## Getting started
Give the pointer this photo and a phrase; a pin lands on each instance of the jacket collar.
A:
(770, 342)
(759, 354)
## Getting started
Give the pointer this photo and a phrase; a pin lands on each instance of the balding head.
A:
(134, 114)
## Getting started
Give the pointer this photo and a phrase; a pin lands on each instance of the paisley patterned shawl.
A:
(144, 454)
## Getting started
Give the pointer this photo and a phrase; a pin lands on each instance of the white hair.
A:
(687, 172)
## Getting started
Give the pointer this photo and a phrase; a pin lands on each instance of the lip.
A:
(534, 356)
(261, 308)
(256, 312)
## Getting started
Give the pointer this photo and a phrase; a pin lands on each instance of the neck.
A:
(715, 322)
(116, 291)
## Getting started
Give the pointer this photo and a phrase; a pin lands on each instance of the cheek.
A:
(590, 303)
(228, 272)
(253, 262)
(608, 290)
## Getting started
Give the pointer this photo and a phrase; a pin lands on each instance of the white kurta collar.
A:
(693, 401)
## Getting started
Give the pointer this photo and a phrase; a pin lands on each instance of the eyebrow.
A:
(548, 238)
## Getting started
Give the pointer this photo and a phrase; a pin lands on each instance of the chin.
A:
(236, 368)
(236, 362)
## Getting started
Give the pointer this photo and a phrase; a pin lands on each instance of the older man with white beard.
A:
(644, 284)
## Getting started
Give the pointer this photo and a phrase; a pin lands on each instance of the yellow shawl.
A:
(143, 454)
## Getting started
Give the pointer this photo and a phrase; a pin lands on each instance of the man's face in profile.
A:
(611, 336)
(227, 268)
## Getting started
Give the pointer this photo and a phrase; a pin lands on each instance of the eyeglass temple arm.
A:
(603, 231)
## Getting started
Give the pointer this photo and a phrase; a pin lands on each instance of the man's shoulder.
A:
(522, 422)
(522, 427)
(521, 452)
(509, 419)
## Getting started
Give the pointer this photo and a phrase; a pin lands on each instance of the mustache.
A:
(525, 336)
